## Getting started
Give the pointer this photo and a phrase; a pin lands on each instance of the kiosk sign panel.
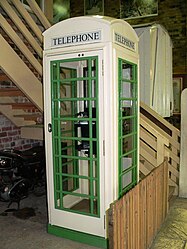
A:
(123, 41)
(77, 39)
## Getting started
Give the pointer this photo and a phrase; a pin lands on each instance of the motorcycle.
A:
(21, 172)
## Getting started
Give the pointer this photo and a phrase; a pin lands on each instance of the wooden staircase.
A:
(159, 140)
(21, 45)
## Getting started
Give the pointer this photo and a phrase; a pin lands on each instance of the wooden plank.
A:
(153, 186)
(20, 44)
(174, 156)
(125, 243)
(24, 106)
(159, 197)
(143, 169)
(18, 121)
(173, 170)
(146, 163)
(160, 150)
(19, 6)
(166, 188)
(110, 219)
(40, 15)
(115, 229)
(143, 217)
(122, 228)
(147, 155)
(147, 137)
(48, 10)
(17, 21)
(148, 148)
(10, 92)
(34, 132)
(4, 77)
(149, 210)
(136, 223)
(29, 116)
(120, 222)
(128, 220)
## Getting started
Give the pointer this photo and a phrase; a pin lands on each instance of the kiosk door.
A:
(127, 124)
(76, 93)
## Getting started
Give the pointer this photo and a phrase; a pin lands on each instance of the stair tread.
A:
(29, 116)
(4, 77)
(21, 105)
(10, 92)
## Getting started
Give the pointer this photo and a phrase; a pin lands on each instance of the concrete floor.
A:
(173, 233)
(16, 233)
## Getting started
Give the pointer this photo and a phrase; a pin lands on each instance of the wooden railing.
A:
(134, 220)
(158, 139)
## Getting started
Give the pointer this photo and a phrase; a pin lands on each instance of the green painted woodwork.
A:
(78, 236)
(74, 92)
(127, 125)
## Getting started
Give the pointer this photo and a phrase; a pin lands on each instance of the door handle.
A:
(49, 127)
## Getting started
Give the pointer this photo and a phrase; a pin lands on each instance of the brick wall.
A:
(10, 136)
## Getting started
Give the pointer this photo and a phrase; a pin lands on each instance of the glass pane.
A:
(128, 126)
(127, 144)
(127, 71)
(126, 179)
(126, 162)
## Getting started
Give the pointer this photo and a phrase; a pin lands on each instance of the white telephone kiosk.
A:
(91, 122)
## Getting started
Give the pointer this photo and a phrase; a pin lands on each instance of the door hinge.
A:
(104, 220)
(102, 68)
(103, 147)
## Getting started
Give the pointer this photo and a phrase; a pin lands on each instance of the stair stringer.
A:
(8, 112)
(20, 74)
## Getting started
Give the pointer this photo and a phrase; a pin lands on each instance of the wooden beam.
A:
(36, 9)
(32, 132)
(4, 77)
(28, 116)
(24, 106)
(10, 92)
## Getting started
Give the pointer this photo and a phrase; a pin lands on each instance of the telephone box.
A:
(91, 122)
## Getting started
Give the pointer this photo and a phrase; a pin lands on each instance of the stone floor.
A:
(31, 233)
(173, 233)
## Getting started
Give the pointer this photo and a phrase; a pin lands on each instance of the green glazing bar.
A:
(80, 176)
(132, 70)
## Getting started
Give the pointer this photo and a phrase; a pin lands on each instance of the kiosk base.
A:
(78, 236)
